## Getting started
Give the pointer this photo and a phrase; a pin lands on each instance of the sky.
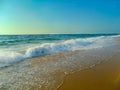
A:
(59, 16)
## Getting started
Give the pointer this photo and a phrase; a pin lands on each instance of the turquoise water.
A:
(15, 48)
(9, 40)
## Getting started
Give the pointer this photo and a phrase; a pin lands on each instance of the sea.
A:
(15, 48)
(19, 53)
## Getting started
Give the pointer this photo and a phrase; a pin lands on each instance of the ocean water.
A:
(16, 48)
(40, 62)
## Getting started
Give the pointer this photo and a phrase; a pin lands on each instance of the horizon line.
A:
(57, 33)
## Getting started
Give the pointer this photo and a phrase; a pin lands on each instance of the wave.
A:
(10, 57)
(70, 45)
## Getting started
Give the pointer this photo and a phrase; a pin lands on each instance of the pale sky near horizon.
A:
(59, 16)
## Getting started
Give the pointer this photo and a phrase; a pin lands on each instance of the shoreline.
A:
(103, 76)
(63, 71)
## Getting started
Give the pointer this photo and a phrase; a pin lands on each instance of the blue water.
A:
(10, 40)
(15, 48)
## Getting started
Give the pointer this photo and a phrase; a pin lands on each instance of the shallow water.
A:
(47, 72)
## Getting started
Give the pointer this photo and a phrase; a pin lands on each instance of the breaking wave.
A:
(11, 57)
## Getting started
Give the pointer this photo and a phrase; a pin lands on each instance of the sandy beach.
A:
(59, 45)
(91, 69)
(105, 76)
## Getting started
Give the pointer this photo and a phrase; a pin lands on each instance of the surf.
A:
(10, 57)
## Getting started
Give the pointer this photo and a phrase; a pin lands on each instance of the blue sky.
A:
(59, 16)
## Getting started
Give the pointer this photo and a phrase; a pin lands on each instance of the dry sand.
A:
(105, 76)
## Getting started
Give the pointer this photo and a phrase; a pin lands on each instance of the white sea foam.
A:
(10, 57)
(28, 74)
(69, 45)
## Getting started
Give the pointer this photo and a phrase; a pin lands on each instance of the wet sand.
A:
(105, 76)
(60, 71)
